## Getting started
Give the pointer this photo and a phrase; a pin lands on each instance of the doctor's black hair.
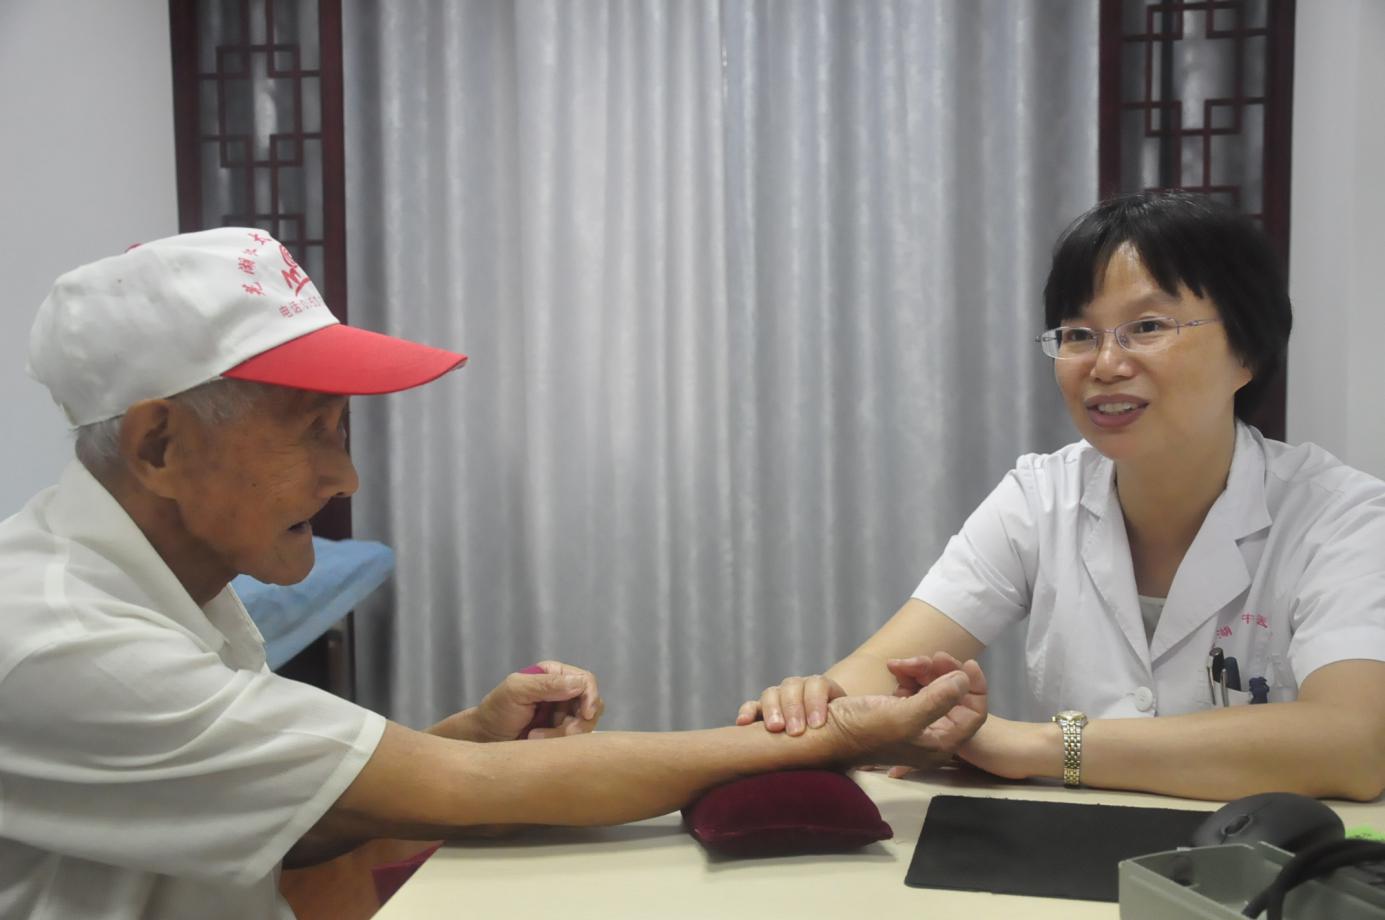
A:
(1182, 237)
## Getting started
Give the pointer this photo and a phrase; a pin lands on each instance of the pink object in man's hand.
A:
(543, 712)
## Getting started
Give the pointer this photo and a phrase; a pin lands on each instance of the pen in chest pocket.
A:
(1216, 674)
(1223, 677)
(1231, 671)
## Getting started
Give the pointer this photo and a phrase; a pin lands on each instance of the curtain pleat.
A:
(749, 290)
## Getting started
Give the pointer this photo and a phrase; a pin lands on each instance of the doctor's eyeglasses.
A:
(1142, 336)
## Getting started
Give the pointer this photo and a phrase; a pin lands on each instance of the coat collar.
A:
(1213, 572)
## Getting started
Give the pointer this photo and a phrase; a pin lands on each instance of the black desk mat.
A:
(1039, 849)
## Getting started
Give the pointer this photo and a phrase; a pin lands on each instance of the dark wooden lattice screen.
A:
(257, 90)
(257, 103)
(1198, 95)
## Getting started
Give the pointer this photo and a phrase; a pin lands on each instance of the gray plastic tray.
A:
(1214, 883)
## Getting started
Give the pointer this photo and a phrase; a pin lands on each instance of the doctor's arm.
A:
(1330, 742)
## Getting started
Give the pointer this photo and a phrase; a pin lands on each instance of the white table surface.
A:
(655, 869)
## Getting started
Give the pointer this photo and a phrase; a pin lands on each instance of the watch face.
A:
(1071, 715)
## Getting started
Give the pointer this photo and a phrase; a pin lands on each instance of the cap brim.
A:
(349, 361)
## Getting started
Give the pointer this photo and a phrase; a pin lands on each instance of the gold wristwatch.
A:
(1070, 721)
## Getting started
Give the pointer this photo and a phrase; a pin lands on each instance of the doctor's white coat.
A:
(1286, 574)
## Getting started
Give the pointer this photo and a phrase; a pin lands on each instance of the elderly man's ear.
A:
(153, 436)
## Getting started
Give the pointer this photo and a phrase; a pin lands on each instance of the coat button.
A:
(1144, 699)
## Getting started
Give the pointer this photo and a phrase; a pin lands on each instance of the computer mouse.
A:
(1283, 819)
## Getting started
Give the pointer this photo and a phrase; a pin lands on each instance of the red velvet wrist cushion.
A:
(791, 811)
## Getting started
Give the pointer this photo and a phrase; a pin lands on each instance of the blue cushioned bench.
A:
(290, 617)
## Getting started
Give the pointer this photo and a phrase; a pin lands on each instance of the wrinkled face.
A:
(1132, 405)
(247, 488)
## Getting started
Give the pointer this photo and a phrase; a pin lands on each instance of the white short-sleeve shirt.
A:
(150, 764)
(1286, 574)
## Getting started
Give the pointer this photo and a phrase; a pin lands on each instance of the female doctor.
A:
(1174, 563)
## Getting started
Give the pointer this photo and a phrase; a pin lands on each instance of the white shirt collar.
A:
(84, 512)
(1240, 510)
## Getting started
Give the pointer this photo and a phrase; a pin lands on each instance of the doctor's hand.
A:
(792, 705)
(949, 733)
(510, 708)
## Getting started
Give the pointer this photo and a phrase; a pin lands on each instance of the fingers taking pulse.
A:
(795, 705)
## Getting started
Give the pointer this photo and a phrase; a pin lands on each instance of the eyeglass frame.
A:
(1178, 326)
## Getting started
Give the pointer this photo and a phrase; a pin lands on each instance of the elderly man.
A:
(150, 764)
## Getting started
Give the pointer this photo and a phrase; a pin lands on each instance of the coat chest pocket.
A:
(1249, 634)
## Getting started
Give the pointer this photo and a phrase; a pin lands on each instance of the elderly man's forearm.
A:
(626, 776)
(602, 778)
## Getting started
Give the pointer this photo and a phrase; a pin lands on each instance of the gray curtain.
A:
(750, 292)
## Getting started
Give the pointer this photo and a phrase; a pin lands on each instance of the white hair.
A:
(215, 402)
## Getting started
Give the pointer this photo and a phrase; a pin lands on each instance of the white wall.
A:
(1337, 239)
(86, 168)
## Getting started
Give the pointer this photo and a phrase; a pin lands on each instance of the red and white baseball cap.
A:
(166, 316)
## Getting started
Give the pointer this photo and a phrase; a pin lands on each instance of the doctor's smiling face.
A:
(1138, 405)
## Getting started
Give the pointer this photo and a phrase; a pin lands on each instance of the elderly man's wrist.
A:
(460, 726)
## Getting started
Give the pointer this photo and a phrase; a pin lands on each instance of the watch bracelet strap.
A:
(1072, 752)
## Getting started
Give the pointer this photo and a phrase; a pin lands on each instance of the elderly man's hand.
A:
(949, 734)
(510, 707)
(874, 727)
